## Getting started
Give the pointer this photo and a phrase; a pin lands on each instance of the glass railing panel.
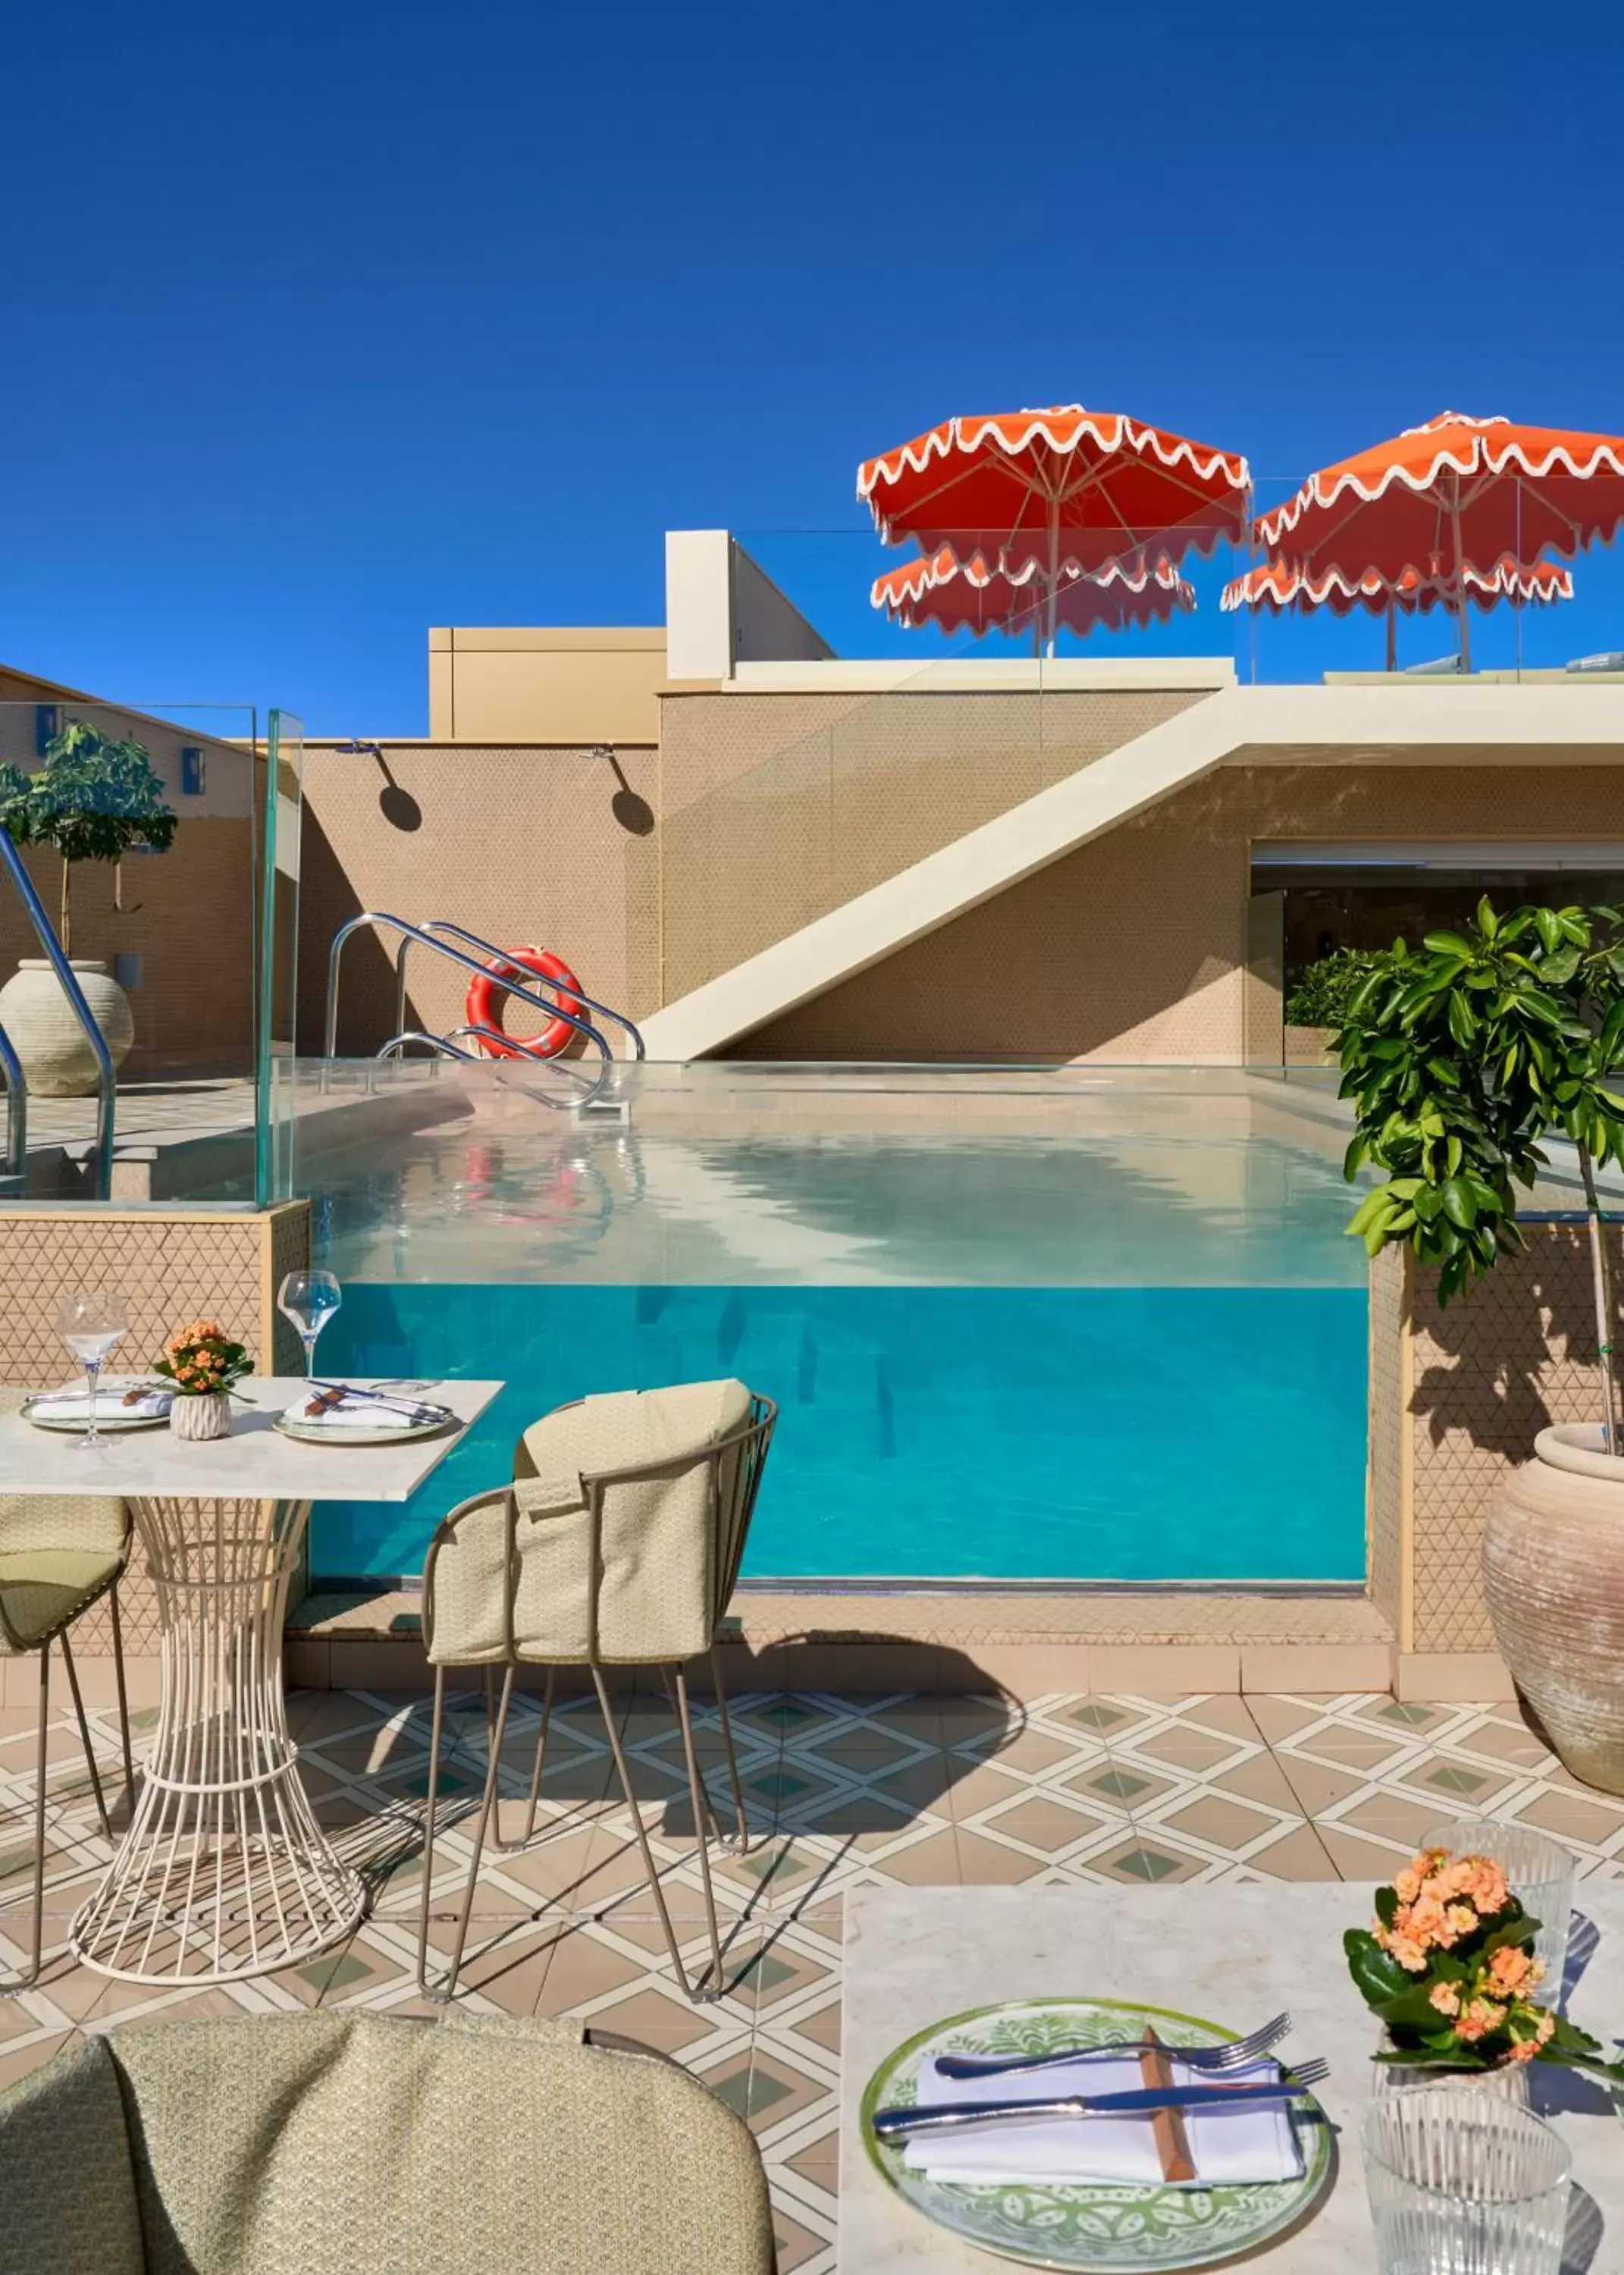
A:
(1029, 1274)
(140, 828)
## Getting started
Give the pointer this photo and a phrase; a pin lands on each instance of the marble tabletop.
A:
(256, 1462)
(916, 1955)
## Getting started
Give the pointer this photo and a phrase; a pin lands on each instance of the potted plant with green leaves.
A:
(1317, 1002)
(1464, 1059)
(94, 798)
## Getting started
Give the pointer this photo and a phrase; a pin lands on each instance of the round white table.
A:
(224, 1871)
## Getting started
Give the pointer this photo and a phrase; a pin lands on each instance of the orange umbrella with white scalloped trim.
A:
(978, 597)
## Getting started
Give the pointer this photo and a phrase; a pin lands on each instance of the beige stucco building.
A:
(760, 849)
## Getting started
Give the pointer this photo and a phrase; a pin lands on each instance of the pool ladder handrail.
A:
(444, 1047)
(455, 955)
(575, 994)
(16, 1082)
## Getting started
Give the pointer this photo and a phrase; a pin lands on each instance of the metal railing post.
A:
(17, 1109)
(106, 1080)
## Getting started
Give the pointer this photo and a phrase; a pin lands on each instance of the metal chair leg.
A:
(740, 1842)
(649, 1866)
(512, 1847)
(429, 1834)
(487, 1804)
(706, 1828)
(124, 1697)
(696, 1791)
(24, 1982)
(84, 1736)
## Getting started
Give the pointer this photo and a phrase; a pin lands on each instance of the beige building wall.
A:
(188, 915)
(1133, 949)
(542, 845)
(574, 685)
(778, 808)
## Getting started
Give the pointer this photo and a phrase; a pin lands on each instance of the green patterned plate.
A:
(1090, 2229)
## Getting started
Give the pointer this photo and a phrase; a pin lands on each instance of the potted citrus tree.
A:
(94, 797)
(1461, 1060)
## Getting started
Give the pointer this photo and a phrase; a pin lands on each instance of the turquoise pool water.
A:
(1113, 1351)
(1027, 1433)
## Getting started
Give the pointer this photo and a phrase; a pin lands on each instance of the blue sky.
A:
(330, 321)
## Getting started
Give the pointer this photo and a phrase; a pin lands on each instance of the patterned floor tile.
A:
(841, 1793)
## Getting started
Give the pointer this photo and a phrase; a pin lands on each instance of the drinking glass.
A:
(309, 1299)
(1541, 1874)
(91, 1322)
(1463, 2182)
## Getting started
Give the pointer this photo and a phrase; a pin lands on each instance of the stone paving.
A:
(843, 1791)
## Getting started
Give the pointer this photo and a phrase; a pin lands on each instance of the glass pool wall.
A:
(1078, 1326)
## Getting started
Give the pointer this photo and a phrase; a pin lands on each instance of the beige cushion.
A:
(67, 2189)
(666, 1571)
(43, 1591)
(358, 2144)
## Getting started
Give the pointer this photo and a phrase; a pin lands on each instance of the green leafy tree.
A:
(1327, 987)
(1460, 1058)
(94, 797)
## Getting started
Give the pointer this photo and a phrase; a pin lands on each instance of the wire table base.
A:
(224, 1872)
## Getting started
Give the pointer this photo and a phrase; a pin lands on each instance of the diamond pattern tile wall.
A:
(170, 1266)
(1489, 1374)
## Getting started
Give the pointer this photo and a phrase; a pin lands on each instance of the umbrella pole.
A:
(1460, 577)
(1054, 569)
(1392, 635)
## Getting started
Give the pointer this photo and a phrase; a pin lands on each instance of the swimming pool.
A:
(1096, 1333)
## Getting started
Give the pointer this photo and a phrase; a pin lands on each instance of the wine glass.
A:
(309, 1299)
(90, 1322)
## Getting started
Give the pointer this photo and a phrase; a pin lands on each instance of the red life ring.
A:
(481, 1008)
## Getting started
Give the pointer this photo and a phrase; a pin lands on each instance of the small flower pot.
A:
(1510, 2078)
(208, 1416)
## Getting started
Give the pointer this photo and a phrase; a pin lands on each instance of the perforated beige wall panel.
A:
(778, 808)
(544, 846)
(1458, 1396)
(1387, 1500)
(1133, 949)
(170, 1266)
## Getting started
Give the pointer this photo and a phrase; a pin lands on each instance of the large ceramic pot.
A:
(1554, 1574)
(37, 1014)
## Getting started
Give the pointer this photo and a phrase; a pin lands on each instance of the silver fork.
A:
(1236, 2054)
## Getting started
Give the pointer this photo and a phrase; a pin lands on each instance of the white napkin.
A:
(372, 1411)
(73, 1403)
(1257, 2142)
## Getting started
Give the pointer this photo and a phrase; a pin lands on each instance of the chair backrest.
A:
(620, 1541)
(361, 2145)
(67, 2183)
(96, 1527)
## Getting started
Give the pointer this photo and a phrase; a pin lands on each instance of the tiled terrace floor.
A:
(924, 1790)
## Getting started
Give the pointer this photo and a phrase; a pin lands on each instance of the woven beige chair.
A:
(364, 2145)
(618, 1544)
(58, 1558)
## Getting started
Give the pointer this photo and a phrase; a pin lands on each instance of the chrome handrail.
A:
(577, 994)
(395, 1046)
(17, 1109)
(106, 1080)
(455, 955)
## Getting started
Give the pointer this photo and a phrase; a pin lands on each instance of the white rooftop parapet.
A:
(721, 608)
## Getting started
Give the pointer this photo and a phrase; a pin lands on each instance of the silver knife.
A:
(948, 2116)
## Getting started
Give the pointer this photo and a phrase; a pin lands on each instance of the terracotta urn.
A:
(197, 1417)
(1553, 1574)
(35, 1012)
